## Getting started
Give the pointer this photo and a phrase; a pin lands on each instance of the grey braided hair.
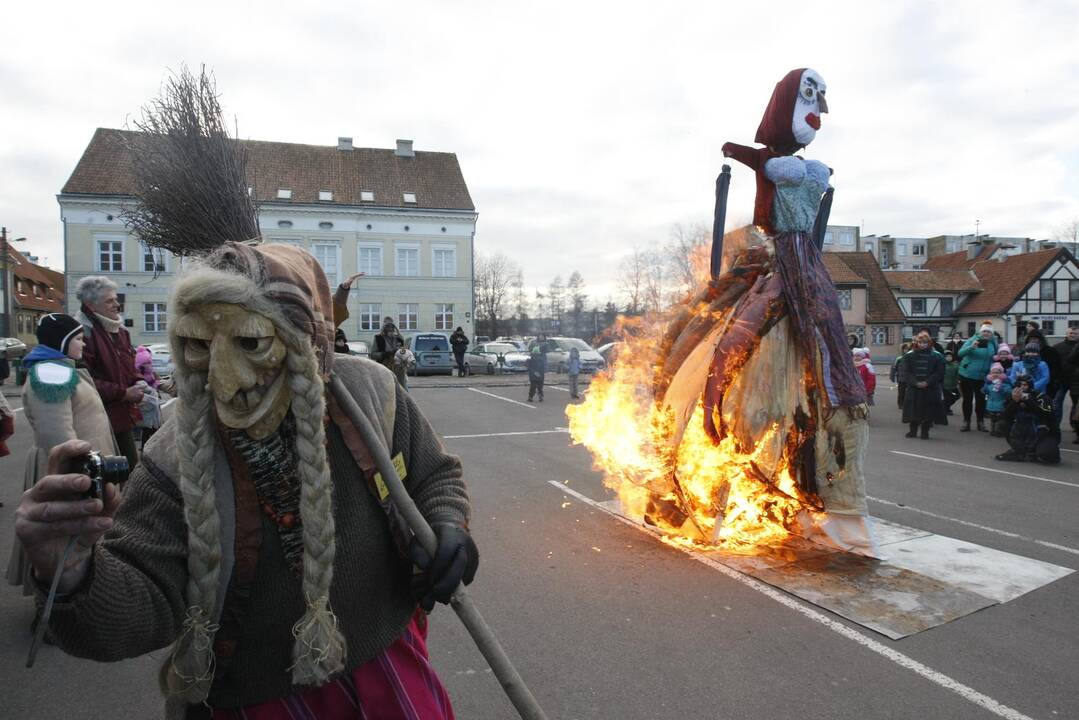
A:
(286, 286)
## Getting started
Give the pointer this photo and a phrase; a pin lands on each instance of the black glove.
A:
(456, 559)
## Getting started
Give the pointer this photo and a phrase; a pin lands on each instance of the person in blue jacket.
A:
(1033, 366)
(975, 358)
(998, 388)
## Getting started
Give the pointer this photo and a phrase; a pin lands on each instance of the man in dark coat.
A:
(459, 343)
(1033, 435)
(109, 357)
(1069, 376)
(922, 369)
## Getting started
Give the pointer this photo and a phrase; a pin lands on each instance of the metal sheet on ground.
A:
(926, 579)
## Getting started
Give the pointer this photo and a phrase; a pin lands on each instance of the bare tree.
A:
(556, 299)
(495, 274)
(656, 281)
(1068, 232)
(684, 245)
(631, 277)
(577, 299)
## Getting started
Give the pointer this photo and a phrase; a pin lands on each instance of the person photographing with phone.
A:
(975, 359)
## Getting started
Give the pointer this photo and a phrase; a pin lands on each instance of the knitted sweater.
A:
(133, 601)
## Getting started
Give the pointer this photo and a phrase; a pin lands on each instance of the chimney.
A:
(973, 249)
(404, 149)
(344, 143)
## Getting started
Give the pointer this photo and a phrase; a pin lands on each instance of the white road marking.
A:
(502, 434)
(1005, 533)
(1067, 450)
(986, 469)
(505, 399)
(964, 691)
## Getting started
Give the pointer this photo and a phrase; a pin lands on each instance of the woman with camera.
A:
(61, 403)
(975, 359)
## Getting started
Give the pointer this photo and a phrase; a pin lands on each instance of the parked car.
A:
(14, 347)
(161, 359)
(359, 347)
(514, 360)
(516, 340)
(558, 352)
(608, 350)
(433, 355)
(481, 339)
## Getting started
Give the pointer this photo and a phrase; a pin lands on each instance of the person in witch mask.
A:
(253, 537)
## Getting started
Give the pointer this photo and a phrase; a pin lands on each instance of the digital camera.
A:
(102, 470)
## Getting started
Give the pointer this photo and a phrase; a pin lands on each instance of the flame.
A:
(699, 493)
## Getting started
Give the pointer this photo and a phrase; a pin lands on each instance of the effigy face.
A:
(244, 359)
(809, 106)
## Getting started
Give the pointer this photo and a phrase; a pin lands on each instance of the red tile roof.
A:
(959, 260)
(36, 276)
(435, 177)
(1006, 280)
(840, 272)
(881, 305)
(933, 280)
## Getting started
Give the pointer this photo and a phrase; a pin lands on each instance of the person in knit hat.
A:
(998, 388)
(975, 357)
(1004, 356)
(61, 403)
(254, 539)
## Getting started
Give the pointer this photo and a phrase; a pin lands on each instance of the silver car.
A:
(513, 359)
(558, 355)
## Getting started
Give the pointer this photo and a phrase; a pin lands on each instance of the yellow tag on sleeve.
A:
(399, 465)
(380, 484)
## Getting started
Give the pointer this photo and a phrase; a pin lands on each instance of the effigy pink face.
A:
(809, 106)
(244, 360)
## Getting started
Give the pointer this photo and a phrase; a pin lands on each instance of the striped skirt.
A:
(399, 684)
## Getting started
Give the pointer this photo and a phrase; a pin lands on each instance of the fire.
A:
(699, 492)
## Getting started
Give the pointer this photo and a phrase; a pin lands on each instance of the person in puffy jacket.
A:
(1032, 435)
(975, 358)
(998, 388)
(864, 366)
(1033, 367)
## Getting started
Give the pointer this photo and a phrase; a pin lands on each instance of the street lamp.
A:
(7, 284)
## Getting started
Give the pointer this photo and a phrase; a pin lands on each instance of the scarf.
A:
(110, 325)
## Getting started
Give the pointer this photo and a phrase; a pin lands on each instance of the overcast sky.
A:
(584, 128)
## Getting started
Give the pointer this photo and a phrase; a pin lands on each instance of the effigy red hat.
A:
(775, 129)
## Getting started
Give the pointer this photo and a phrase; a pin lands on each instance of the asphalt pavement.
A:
(603, 621)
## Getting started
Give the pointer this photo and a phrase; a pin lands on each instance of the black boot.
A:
(966, 426)
(913, 430)
(981, 426)
(925, 431)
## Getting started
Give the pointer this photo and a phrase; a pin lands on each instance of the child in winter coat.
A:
(573, 370)
(998, 388)
(144, 366)
(864, 366)
(1032, 366)
(1032, 428)
(951, 381)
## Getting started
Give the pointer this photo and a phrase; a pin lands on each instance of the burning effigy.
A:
(737, 419)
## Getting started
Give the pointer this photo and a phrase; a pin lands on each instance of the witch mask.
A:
(244, 359)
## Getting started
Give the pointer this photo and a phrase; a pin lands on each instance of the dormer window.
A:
(284, 194)
(325, 195)
(367, 196)
(410, 197)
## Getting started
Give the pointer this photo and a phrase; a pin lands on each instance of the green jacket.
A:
(951, 375)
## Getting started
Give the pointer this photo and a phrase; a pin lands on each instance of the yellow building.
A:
(404, 218)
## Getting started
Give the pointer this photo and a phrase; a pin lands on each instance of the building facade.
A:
(35, 291)
(870, 312)
(404, 218)
(929, 298)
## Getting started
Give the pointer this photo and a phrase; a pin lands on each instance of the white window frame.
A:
(925, 307)
(828, 238)
(159, 312)
(370, 316)
(407, 320)
(367, 195)
(381, 258)
(335, 277)
(441, 248)
(98, 240)
(397, 248)
(879, 335)
(846, 238)
(845, 298)
(443, 316)
(918, 250)
(409, 198)
(284, 194)
(160, 253)
(901, 250)
(325, 195)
